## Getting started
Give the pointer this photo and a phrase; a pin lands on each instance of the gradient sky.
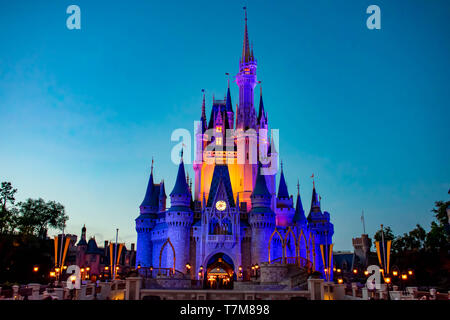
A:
(82, 112)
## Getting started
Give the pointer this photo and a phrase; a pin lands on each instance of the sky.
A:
(82, 112)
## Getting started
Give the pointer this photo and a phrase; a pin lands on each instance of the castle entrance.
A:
(219, 272)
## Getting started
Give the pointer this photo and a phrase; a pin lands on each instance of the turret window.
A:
(219, 141)
(219, 129)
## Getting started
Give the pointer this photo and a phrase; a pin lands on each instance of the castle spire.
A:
(203, 106)
(299, 212)
(315, 202)
(246, 53)
(181, 186)
(149, 192)
(261, 112)
(282, 188)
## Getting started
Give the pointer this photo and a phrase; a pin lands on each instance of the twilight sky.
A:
(82, 112)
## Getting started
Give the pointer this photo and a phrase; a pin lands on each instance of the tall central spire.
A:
(246, 80)
(246, 53)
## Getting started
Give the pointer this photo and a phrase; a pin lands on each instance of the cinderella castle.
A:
(234, 218)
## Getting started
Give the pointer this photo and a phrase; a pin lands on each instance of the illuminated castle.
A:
(234, 217)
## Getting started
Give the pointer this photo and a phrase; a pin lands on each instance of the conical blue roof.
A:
(260, 185)
(229, 106)
(181, 187)
(282, 188)
(221, 174)
(261, 112)
(149, 193)
(299, 212)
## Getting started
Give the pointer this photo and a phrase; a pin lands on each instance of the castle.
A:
(233, 219)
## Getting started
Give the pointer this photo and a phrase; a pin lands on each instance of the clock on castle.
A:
(234, 217)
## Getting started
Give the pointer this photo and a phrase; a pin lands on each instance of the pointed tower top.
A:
(260, 184)
(299, 212)
(203, 105)
(246, 53)
(147, 202)
(282, 188)
(181, 186)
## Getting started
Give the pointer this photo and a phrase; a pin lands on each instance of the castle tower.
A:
(145, 222)
(246, 80)
(261, 219)
(285, 205)
(81, 248)
(322, 229)
(179, 219)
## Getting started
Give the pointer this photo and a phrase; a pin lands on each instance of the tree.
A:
(36, 216)
(7, 215)
(388, 235)
(438, 238)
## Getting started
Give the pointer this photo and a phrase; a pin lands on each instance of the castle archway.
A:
(220, 272)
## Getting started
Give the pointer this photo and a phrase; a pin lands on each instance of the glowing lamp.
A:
(387, 280)
(52, 274)
(201, 268)
(82, 269)
(256, 266)
(35, 269)
(366, 273)
(107, 268)
(57, 269)
(395, 273)
(410, 272)
(64, 267)
(404, 276)
(340, 281)
(88, 269)
(339, 270)
(139, 266)
(355, 271)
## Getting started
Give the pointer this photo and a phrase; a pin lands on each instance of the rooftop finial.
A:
(203, 105)
(260, 88)
(313, 180)
(298, 186)
(227, 74)
(246, 54)
(151, 170)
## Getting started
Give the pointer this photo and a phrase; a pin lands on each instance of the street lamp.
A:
(340, 281)
(35, 269)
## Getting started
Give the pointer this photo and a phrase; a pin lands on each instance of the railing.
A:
(299, 261)
(160, 272)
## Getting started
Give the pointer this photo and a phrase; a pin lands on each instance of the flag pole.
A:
(384, 252)
(115, 255)
(363, 222)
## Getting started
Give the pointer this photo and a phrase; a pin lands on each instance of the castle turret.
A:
(179, 219)
(319, 224)
(146, 221)
(81, 248)
(285, 205)
(261, 219)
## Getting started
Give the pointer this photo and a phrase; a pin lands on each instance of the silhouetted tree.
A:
(7, 214)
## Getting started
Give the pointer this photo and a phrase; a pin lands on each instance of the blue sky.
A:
(82, 112)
